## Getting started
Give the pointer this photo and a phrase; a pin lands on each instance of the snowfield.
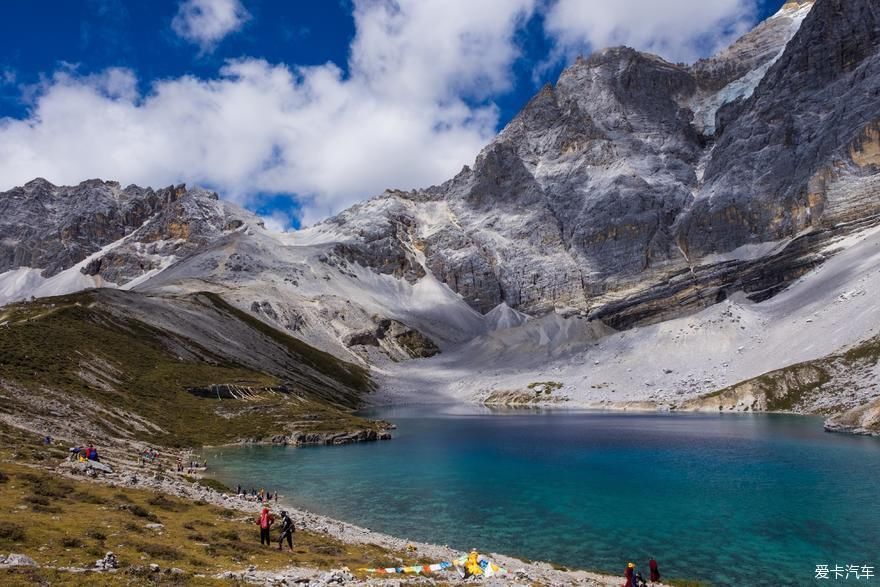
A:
(659, 365)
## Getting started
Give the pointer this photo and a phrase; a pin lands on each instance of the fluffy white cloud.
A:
(678, 30)
(206, 22)
(399, 119)
(404, 116)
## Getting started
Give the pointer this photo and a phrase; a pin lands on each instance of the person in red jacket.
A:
(265, 522)
(629, 575)
(655, 571)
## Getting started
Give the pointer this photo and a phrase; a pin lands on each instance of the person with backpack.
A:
(265, 521)
(287, 530)
(629, 575)
(655, 571)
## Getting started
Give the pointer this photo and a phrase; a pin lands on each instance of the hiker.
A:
(287, 530)
(238, 491)
(655, 571)
(265, 522)
(629, 574)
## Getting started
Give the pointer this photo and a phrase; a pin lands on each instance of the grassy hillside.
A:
(62, 522)
(844, 386)
(90, 365)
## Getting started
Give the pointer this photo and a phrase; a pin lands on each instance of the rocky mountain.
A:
(631, 194)
(61, 239)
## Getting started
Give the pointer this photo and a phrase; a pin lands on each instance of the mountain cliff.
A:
(630, 193)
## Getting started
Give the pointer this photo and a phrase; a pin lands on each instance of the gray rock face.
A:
(396, 339)
(605, 196)
(801, 152)
(751, 51)
(561, 201)
(53, 228)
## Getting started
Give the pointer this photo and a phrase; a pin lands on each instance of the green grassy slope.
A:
(81, 361)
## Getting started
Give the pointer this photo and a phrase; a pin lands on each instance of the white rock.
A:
(20, 560)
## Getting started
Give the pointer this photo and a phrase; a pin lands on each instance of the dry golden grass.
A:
(61, 522)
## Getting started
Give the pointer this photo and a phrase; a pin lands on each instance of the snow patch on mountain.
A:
(705, 106)
(659, 365)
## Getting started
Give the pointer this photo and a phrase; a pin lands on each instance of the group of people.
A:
(265, 521)
(262, 495)
(148, 455)
(193, 465)
(88, 453)
(635, 579)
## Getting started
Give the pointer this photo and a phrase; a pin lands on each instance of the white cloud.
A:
(276, 221)
(399, 119)
(678, 30)
(404, 116)
(207, 22)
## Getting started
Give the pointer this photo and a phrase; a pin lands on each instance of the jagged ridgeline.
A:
(108, 364)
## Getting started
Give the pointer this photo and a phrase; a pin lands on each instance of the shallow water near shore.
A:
(726, 499)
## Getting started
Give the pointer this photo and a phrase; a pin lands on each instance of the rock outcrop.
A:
(335, 438)
(791, 158)
(396, 339)
(842, 386)
(53, 228)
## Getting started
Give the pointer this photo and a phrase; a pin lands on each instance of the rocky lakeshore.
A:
(129, 476)
(334, 438)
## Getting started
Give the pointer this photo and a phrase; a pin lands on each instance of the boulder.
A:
(20, 560)
(107, 563)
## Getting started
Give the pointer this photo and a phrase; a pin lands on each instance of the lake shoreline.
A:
(490, 459)
(522, 401)
(129, 475)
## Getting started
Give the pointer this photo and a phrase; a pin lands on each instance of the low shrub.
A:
(10, 532)
(96, 534)
(158, 551)
(230, 535)
(71, 542)
(140, 511)
(86, 497)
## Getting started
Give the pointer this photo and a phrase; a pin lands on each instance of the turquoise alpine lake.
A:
(724, 499)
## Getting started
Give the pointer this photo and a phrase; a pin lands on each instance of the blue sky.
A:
(299, 108)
